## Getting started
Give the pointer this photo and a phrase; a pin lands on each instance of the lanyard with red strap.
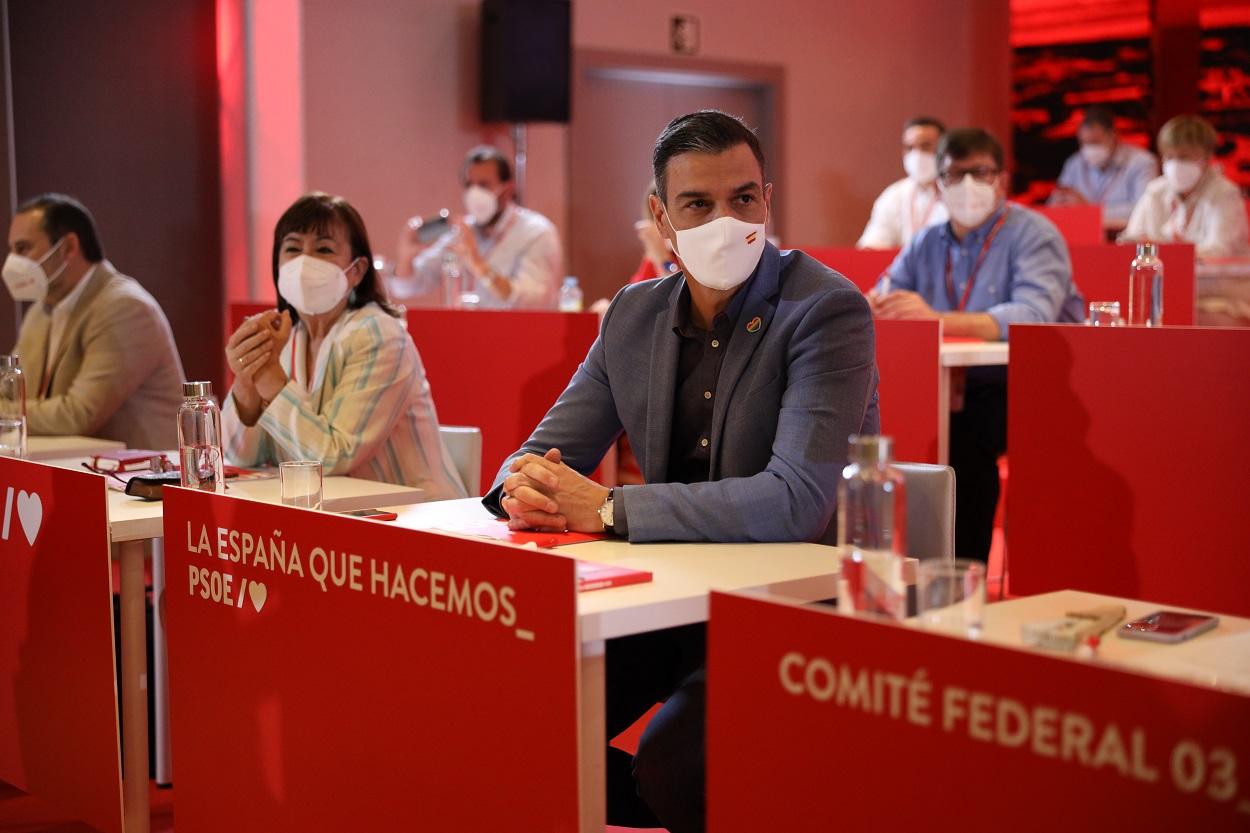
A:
(1179, 229)
(976, 267)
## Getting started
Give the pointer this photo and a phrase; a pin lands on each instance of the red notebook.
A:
(594, 576)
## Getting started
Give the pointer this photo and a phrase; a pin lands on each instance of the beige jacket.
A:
(116, 372)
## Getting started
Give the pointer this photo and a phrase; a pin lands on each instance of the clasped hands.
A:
(543, 493)
(253, 352)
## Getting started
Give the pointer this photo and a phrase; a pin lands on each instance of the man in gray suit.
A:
(96, 349)
(737, 381)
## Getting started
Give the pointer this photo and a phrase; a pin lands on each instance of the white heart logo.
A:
(30, 513)
(259, 594)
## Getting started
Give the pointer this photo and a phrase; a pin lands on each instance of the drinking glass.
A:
(951, 595)
(301, 483)
(1105, 314)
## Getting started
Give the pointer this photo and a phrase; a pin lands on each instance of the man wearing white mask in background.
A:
(96, 349)
(512, 253)
(737, 380)
(1105, 171)
(1193, 202)
(912, 203)
(995, 263)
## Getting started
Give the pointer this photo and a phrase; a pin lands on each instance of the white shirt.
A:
(60, 314)
(903, 209)
(523, 246)
(1213, 217)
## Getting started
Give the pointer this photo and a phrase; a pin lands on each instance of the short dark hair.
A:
(486, 153)
(704, 131)
(963, 142)
(925, 121)
(318, 212)
(63, 214)
(1098, 117)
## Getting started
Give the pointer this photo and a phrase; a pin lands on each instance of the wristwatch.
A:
(605, 511)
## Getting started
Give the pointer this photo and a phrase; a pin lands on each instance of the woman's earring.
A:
(351, 298)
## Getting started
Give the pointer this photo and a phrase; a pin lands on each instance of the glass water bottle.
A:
(1145, 288)
(12, 407)
(199, 439)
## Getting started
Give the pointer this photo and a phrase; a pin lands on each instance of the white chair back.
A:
(464, 444)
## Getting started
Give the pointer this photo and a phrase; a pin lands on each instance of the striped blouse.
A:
(367, 412)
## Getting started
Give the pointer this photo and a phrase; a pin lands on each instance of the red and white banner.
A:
(58, 684)
(331, 673)
(818, 721)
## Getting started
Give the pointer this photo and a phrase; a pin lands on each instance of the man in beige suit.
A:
(96, 349)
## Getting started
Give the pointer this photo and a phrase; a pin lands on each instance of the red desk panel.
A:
(336, 674)
(1080, 225)
(819, 722)
(862, 267)
(1128, 463)
(58, 696)
(908, 358)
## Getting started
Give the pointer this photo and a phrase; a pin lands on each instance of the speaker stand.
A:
(519, 140)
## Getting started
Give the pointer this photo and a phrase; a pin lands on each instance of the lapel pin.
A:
(753, 326)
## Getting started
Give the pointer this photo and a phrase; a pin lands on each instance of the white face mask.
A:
(26, 278)
(721, 254)
(921, 167)
(481, 204)
(1096, 155)
(970, 202)
(1183, 174)
(312, 285)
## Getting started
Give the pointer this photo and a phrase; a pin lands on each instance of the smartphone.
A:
(372, 514)
(430, 229)
(1168, 626)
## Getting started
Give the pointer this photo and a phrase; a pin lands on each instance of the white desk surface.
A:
(973, 353)
(132, 519)
(682, 574)
(1218, 658)
(41, 449)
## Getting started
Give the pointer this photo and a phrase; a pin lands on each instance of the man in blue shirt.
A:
(1105, 171)
(993, 264)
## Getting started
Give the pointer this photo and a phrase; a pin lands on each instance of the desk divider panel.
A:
(1080, 225)
(862, 267)
(1128, 463)
(58, 687)
(473, 361)
(818, 721)
(909, 360)
(1101, 273)
(332, 673)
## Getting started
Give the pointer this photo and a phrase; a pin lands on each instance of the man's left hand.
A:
(901, 304)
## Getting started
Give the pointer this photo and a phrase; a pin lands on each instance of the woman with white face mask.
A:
(1193, 202)
(332, 374)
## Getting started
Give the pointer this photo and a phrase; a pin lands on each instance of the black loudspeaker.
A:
(525, 57)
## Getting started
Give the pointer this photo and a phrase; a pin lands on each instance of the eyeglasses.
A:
(984, 175)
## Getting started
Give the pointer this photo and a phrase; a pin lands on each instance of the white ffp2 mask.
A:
(26, 278)
(921, 167)
(481, 204)
(970, 202)
(1182, 174)
(721, 254)
(312, 285)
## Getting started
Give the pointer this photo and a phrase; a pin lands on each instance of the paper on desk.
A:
(497, 530)
(1222, 661)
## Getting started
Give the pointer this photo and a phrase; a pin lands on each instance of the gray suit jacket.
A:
(788, 396)
(116, 372)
